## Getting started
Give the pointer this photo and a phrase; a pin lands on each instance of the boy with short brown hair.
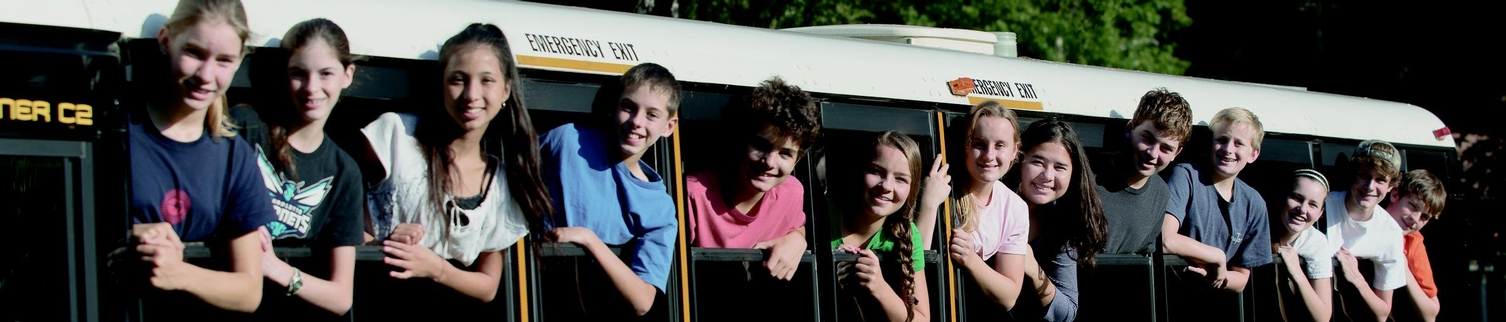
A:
(1417, 199)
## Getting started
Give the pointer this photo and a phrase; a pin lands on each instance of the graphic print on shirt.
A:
(175, 205)
(293, 201)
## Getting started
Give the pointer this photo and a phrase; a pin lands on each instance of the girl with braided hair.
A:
(878, 218)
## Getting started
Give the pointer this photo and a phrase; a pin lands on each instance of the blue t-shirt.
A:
(1238, 226)
(592, 190)
(207, 189)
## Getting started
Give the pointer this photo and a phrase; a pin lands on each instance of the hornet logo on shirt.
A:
(293, 201)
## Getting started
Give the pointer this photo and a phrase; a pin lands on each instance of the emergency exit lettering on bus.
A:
(623, 51)
(581, 47)
(1005, 89)
(15, 109)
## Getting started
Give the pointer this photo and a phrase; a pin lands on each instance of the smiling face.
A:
(1304, 205)
(1045, 173)
(204, 58)
(315, 79)
(1407, 211)
(768, 160)
(643, 117)
(1153, 150)
(991, 149)
(887, 181)
(475, 87)
(1232, 148)
(1369, 187)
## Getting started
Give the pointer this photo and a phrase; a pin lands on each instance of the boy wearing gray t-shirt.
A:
(1214, 219)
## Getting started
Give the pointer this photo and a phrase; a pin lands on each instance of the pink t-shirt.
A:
(1003, 225)
(714, 224)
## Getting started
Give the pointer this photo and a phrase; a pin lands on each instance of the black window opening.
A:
(848, 130)
(710, 144)
(34, 281)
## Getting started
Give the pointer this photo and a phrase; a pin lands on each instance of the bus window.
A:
(841, 162)
(1093, 135)
(34, 281)
(707, 142)
(704, 138)
(847, 129)
(1270, 174)
(562, 97)
(1274, 149)
(1436, 161)
(843, 170)
(553, 104)
(1334, 164)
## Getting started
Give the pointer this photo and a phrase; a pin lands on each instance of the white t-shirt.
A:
(1378, 240)
(496, 224)
(1316, 253)
(1003, 225)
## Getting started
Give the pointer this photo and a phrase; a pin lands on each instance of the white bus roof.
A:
(572, 39)
(955, 39)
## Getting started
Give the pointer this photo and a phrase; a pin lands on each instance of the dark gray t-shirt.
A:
(1239, 227)
(1134, 215)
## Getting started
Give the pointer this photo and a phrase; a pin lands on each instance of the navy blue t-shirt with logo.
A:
(207, 189)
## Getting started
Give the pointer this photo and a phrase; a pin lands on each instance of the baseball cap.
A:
(1368, 148)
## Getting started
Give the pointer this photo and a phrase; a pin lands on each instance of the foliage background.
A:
(1113, 33)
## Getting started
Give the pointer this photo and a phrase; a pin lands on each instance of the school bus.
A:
(67, 69)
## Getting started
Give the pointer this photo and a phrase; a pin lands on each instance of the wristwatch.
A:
(296, 283)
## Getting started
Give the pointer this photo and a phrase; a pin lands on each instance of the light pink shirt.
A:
(714, 224)
(1003, 225)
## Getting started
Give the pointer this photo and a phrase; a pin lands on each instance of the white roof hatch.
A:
(972, 41)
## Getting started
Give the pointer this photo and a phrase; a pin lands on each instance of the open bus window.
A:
(707, 141)
(1333, 162)
(841, 166)
(34, 267)
(569, 281)
(1436, 162)
(1271, 173)
(847, 129)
